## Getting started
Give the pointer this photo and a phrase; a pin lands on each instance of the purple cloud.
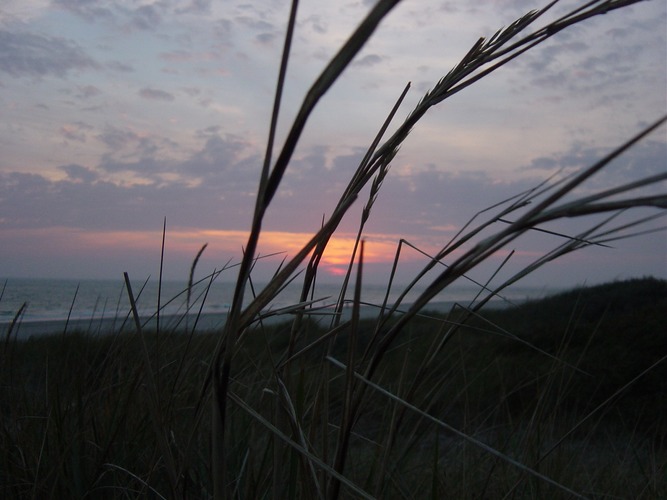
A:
(90, 10)
(645, 159)
(26, 54)
(116, 139)
(119, 67)
(368, 61)
(146, 17)
(87, 91)
(78, 173)
(75, 131)
(196, 7)
(156, 94)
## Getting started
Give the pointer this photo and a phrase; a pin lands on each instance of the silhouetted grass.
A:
(75, 421)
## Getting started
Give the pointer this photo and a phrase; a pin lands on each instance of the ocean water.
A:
(55, 299)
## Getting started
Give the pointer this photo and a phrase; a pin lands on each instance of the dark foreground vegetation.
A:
(567, 386)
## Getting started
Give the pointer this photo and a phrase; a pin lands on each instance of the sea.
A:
(36, 304)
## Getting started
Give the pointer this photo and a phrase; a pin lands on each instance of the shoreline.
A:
(25, 329)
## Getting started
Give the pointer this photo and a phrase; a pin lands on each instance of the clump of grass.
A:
(76, 420)
(407, 404)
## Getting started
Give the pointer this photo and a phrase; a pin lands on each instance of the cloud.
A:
(119, 12)
(87, 91)
(119, 67)
(75, 131)
(552, 55)
(156, 94)
(266, 38)
(90, 10)
(599, 62)
(426, 207)
(191, 91)
(22, 11)
(177, 56)
(196, 7)
(254, 23)
(577, 157)
(317, 23)
(216, 184)
(425, 202)
(146, 17)
(368, 61)
(267, 32)
(86, 200)
(222, 160)
(644, 159)
(222, 30)
(79, 173)
(219, 154)
(116, 139)
(31, 55)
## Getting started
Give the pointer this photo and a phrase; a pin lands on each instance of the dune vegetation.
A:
(573, 387)
(559, 398)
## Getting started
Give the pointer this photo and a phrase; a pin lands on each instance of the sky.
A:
(117, 114)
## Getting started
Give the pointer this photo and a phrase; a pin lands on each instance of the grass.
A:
(76, 422)
(559, 399)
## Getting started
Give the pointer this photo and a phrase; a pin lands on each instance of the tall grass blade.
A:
(453, 430)
(71, 307)
(13, 324)
(190, 280)
(159, 281)
(348, 392)
(296, 446)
